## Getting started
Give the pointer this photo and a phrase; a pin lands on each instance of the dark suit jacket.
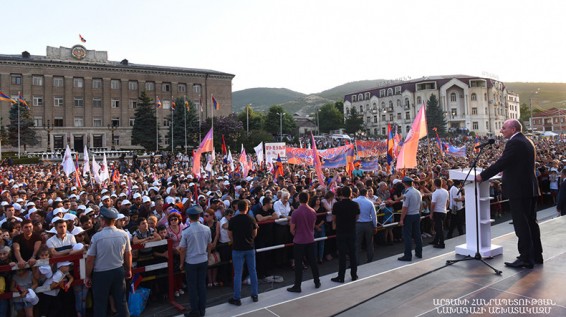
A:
(561, 199)
(518, 166)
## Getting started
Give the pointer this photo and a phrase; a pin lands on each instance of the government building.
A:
(78, 97)
(469, 104)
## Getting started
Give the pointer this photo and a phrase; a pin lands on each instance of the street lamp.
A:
(112, 128)
(317, 121)
(281, 125)
(48, 128)
(248, 118)
(531, 107)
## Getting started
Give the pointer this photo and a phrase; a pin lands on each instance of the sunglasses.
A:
(174, 219)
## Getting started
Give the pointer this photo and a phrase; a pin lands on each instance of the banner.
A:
(332, 158)
(371, 148)
(298, 155)
(369, 166)
(272, 150)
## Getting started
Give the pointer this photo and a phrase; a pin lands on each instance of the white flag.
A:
(104, 174)
(259, 152)
(86, 164)
(68, 164)
(95, 171)
(230, 161)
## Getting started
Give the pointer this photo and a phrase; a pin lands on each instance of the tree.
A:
(27, 135)
(184, 120)
(144, 130)
(525, 114)
(255, 119)
(273, 120)
(330, 118)
(4, 138)
(435, 117)
(354, 122)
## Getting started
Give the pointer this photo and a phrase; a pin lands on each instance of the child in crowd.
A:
(22, 281)
(50, 303)
(5, 280)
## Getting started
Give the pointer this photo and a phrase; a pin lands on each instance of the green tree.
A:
(340, 106)
(273, 121)
(144, 129)
(255, 119)
(525, 115)
(330, 118)
(27, 135)
(435, 117)
(184, 120)
(354, 122)
(228, 126)
(3, 132)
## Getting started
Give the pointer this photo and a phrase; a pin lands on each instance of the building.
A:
(553, 120)
(78, 97)
(469, 103)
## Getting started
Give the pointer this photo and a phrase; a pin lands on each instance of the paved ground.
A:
(219, 295)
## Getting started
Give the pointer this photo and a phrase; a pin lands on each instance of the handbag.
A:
(213, 258)
(137, 301)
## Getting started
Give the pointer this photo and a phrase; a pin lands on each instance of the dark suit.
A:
(520, 185)
(561, 199)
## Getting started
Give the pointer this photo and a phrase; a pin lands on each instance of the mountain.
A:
(262, 98)
(549, 94)
(338, 92)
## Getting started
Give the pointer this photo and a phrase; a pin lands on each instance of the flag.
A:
(115, 176)
(224, 150)
(438, 142)
(158, 103)
(456, 151)
(230, 161)
(215, 103)
(104, 173)
(22, 101)
(389, 144)
(278, 167)
(82, 38)
(95, 170)
(207, 143)
(136, 281)
(244, 162)
(4, 97)
(408, 153)
(186, 103)
(196, 163)
(68, 164)
(86, 164)
(259, 153)
(173, 104)
(316, 161)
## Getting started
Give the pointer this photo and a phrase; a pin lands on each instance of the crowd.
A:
(45, 214)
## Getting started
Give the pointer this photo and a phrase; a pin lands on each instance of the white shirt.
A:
(439, 198)
(455, 205)
(224, 238)
(282, 211)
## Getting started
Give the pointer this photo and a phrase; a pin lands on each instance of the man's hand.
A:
(88, 282)
(479, 179)
(32, 261)
(128, 274)
(22, 264)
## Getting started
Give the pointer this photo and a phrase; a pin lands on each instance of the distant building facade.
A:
(85, 99)
(553, 119)
(469, 103)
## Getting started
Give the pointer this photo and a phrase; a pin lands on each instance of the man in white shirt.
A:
(438, 206)
(457, 210)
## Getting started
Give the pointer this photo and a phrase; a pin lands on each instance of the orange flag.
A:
(196, 163)
(317, 163)
(207, 143)
(408, 155)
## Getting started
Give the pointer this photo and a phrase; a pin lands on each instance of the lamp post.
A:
(317, 121)
(281, 125)
(48, 128)
(531, 109)
(112, 128)
(248, 118)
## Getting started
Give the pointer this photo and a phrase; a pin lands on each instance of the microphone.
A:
(488, 142)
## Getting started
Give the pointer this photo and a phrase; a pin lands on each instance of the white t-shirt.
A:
(439, 198)
(455, 205)
(224, 238)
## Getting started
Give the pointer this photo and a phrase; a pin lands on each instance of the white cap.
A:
(64, 263)
(146, 199)
(55, 219)
(123, 195)
(137, 195)
(126, 202)
(227, 183)
(114, 195)
(120, 216)
(31, 203)
(46, 270)
(17, 206)
(52, 230)
(73, 196)
(70, 217)
(87, 211)
(32, 210)
(135, 187)
(78, 246)
(105, 197)
(104, 191)
(20, 200)
(81, 207)
(73, 188)
(58, 199)
(4, 203)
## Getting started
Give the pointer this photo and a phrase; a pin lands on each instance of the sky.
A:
(306, 45)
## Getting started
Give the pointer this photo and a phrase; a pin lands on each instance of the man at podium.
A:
(520, 185)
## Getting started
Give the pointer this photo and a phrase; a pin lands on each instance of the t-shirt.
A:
(26, 245)
(346, 212)
(303, 218)
(242, 226)
(440, 197)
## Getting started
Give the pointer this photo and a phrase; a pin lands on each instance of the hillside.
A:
(262, 98)
(337, 93)
(550, 94)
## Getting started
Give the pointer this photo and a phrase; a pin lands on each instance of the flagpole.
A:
(172, 130)
(184, 105)
(156, 130)
(212, 114)
(19, 123)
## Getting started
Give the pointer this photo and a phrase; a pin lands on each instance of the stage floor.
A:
(427, 287)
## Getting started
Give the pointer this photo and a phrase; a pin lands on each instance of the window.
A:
(408, 128)
(78, 82)
(115, 103)
(382, 117)
(79, 122)
(391, 117)
(116, 140)
(390, 91)
(407, 104)
(16, 79)
(474, 110)
(97, 122)
(37, 101)
(398, 115)
(166, 87)
(79, 102)
(131, 121)
(475, 125)
(474, 97)
(361, 109)
(390, 105)
(419, 100)
(407, 115)
(382, 93)
(368, 119)
(366, 96)
(97, 103)
(132, 103)
(166, 122)
(398, 102)
(58, 82)
(487, 125)
(96, 83)
(57, 122)
(453, 97)
(354, 98)
(375, 119)
(38, 121)
(115, 122)
(133, 85)
(397, 90)
(454, 112)
(114, 84)
(97, 140)
(182, 88)
(360, 97)
(58, 101)
(149, 86)
(37, 80)
(196, 89)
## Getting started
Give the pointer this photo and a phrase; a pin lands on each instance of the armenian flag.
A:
(215, 103)
(158, 103)
(82, 38)
(5, 97)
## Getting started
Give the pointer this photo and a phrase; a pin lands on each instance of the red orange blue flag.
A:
(215, 103)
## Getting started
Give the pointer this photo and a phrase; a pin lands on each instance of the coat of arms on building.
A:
(78, 52)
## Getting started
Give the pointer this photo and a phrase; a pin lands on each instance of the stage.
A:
(427, 287)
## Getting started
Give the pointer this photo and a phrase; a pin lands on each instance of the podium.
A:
(484, 229)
